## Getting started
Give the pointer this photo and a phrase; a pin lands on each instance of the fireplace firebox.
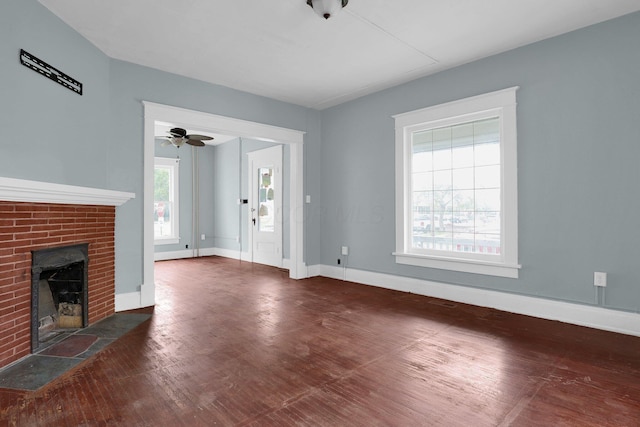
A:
(59, 292)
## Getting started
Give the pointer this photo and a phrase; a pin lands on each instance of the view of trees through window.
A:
(455, 187)
(163, 226)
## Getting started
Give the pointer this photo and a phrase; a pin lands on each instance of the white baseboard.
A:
(229, 253)
(226, 253)
(577, 314)
(164, 256)
(128, 301)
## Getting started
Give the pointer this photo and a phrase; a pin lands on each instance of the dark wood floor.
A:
(232, 343)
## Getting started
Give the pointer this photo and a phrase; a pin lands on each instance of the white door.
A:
(265, 206)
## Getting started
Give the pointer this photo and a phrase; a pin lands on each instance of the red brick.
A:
(46, 227)
(63, 221)
(31, 226)
(11, 259)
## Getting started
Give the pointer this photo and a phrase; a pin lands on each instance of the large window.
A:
(165, 202)
(456, 186)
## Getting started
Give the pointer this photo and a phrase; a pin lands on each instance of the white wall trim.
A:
(227, 126)
(21, 190)
(229, 253)
(500, 104)
(164, 256)
(577, 314)
(226, 253)
(128, 301)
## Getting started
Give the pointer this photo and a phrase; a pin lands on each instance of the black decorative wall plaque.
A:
(30, 61)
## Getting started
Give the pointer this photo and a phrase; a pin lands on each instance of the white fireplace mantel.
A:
(21, 190)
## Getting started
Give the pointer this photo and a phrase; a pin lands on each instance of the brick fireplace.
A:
(54, 219)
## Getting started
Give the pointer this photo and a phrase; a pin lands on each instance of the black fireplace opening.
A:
(59, 293)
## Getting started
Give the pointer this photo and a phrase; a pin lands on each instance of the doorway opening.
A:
(226, 126)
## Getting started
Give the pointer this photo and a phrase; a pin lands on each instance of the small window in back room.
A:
(165, 202)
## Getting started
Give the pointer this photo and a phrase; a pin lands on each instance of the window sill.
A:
(170, 241)
(462, 265)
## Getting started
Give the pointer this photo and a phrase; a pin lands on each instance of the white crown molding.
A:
(21, 190)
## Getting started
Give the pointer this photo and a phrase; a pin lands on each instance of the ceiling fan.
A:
(178, 137)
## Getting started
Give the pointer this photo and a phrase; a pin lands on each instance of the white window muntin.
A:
(500, 104)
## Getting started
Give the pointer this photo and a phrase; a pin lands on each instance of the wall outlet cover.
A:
(599, 279)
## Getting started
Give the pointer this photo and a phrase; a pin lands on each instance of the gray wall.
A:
(96, 140)
(578, 151)
(51, 133)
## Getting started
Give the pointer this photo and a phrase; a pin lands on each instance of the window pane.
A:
(486, 130)
(462, 135)
(456, 179)
(442, 180)
(422, 162)
(487, 154)
(488, 200)
(463, 222)
(161, 204)
(422, 240)
(442, 200)
(463, 179)
(422, 202)
(266, 194)
(442, 159)
(488, 243)
(422, 141)
(464, 201)
(442, 148)
(463, 242)
(422, 181)
(488, 177)
(462, 157)
(164, 207)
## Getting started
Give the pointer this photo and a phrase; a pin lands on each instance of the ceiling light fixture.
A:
(327, 8)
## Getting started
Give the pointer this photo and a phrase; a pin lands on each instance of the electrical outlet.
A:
(600, 279)
(202, 237)
(345, 250)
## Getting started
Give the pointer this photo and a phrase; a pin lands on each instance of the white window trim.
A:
(504, 103)
(174, 164)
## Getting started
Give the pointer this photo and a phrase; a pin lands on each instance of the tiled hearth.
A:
(34, 216)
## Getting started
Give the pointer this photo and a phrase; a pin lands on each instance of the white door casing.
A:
(228, 126)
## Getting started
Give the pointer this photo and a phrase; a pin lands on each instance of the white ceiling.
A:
(281, 49)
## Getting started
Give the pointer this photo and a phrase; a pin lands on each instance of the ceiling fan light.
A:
(327, 8)
(178, 141)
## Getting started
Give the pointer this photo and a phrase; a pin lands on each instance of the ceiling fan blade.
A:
(165, 143)
(195, 142)
(200, 137)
